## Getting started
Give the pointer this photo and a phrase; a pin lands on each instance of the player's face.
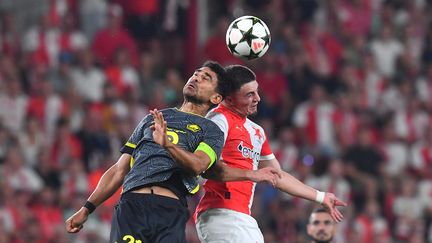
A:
(321, 227)
(245, 101)
(201, 86)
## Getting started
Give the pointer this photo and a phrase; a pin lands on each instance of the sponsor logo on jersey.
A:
(175, 130)
(193, 127)
(248, 152)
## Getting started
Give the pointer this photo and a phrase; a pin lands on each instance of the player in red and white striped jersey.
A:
(223, 214)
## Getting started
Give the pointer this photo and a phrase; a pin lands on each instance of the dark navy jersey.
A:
(151, 163)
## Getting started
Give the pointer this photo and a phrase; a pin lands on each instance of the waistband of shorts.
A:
(154, 189)
(141, 196)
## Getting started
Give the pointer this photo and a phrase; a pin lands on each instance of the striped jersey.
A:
(245, 145)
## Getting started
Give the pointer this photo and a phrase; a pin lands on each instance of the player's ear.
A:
(216, 99)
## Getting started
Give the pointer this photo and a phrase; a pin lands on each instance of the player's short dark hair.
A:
(237, 76)
(220, 74)
(320, 210)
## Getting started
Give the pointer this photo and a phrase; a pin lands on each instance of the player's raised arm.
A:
(289, 184)
(109, 183)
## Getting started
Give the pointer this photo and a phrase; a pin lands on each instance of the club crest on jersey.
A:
(248, 152)
(193, 127)
(258, 133)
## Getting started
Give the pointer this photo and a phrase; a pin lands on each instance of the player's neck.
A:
(233, 109)
(197, 109)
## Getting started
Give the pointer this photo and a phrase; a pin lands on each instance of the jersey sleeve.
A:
(220, 121)
(266, 152)
(212, 143)
(136, 136)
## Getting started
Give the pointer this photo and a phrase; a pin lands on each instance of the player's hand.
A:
(159, 128)
(76, 222)
(330, 202)
(267, 174)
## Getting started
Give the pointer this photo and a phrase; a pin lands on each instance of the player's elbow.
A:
(201, 163)
(199, 168)
(215, 172)
(121, 174)
(122, 167)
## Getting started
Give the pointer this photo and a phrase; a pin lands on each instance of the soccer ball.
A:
(248, 37)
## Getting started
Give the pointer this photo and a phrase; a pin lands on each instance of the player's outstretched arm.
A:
(196, 162)
(289, 184)
(220, 171)
(109, 183)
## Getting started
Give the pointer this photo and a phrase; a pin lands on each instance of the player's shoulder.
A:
(180, 115)
(204, 125)
(202, 122)
(169, 110)
(219, 118)
(215, 113)
(222, 113)
(209, 123)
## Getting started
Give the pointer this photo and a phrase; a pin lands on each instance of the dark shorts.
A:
(149, 218)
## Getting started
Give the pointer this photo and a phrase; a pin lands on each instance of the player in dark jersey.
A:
(159, 166)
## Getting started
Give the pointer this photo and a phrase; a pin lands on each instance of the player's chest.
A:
(181, 132)
(244, 143)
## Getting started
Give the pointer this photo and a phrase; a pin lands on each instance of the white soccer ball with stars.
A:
(248, 37)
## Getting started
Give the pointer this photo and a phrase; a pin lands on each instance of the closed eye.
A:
(207, 76)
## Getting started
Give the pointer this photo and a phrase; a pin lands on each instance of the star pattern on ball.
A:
(244, 45)
(248, 37)
(232, 48)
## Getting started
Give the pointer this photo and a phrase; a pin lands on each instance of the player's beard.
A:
(193, 99)
(253, 113)
(322, 241)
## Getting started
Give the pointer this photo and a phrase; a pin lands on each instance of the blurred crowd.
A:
(346, 92)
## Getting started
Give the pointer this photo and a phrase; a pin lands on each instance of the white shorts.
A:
(219, 225)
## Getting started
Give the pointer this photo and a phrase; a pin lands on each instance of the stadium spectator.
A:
(88, 79)
(321, 227)
(113, 36)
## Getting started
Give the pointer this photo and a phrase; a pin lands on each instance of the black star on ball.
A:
(247, 36)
